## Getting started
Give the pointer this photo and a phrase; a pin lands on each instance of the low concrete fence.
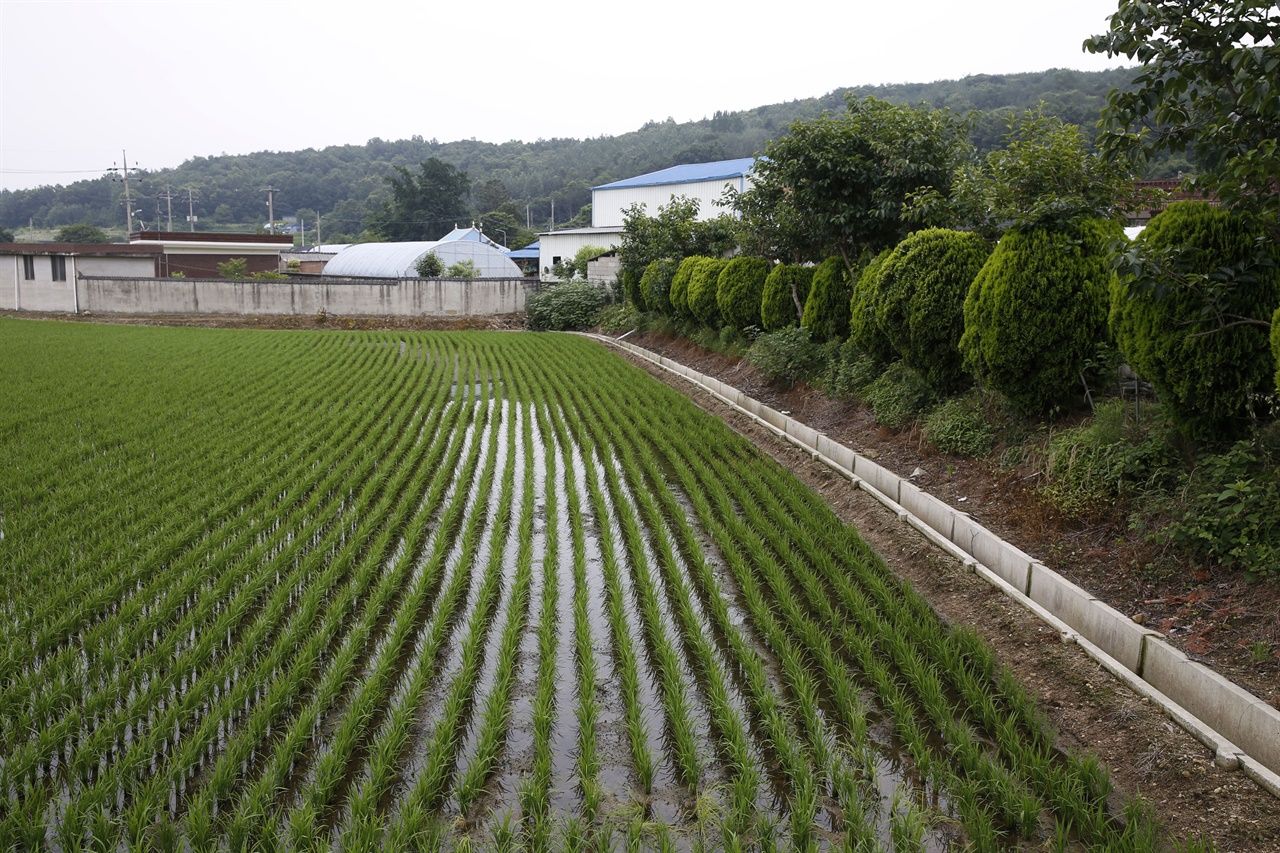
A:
(1241, 729)
(347, 297)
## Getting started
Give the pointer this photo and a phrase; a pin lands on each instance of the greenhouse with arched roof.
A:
(400, 260)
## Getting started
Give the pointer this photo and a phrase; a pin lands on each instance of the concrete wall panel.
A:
(806, 435)
(773, 417)
(878, 477)
(927, 508)
(410, 297)
(1069, 602)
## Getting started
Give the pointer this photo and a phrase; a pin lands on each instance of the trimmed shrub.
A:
(567, 305)
(960, 427)
(655, 285)
(899, 397)
(920, 308)
(679, 291)
(787, 355)
(826, 311)
(1275, 343)
(1206, 376)
(702, 292)
(785, 292)
(631, 288)
(1037, 312)
(864, 314)
(739, 290)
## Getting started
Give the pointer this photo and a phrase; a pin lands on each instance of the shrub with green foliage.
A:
(899, 397)
(864, 313)
(740, 289)
(702, 292)
(631, 288)
(785, 292)
(1108, 460)
(850, 371)
(920, 309)
(429, 266)
(1181, 331)
(567, 305)
(826, 311)
(655, 285)
(679, 291)
(1037, 312)
(959, 426)
(788, 355)
(1275, 343)
(621, 316)
(1232, 515)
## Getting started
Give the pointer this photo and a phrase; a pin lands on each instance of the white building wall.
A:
(565, 244)
(607, 206)
(44, 294)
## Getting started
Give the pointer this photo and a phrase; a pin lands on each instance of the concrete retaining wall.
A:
(346, 297)
(1242, 729)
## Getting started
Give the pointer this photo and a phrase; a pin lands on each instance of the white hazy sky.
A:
(80, 80)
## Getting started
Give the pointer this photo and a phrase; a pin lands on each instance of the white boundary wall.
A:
(345, 297)
(1242, 730)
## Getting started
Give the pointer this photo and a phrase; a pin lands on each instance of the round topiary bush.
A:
(655, 285)
(702, 292)
(679, 291)
(567, 305)
(864, 314)
(1037, 312)
(1204, 371)
(826, 311)
(922, 288)
(740, 289)
(785, 292)
(631, 288)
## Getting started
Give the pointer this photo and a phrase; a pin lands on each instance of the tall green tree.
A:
(425, 205)
(675, 233)
(1047, 175)
(1209, 86)
(835, 186)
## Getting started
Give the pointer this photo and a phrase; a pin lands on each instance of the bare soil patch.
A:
(317, 322)
(1211, 615)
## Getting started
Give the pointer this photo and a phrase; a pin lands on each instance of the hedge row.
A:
(1029, 317)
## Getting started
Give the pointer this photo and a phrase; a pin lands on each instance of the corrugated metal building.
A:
(705, 182)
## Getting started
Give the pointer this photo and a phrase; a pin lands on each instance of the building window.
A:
(58, 265)
(29, 267)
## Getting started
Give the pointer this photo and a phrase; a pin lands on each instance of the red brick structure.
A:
(196, 254)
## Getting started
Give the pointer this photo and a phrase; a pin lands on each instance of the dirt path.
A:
(1145, 751)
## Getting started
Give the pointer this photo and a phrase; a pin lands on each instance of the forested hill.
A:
(345, 182)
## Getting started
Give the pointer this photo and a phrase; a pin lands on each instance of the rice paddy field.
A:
(417, 591)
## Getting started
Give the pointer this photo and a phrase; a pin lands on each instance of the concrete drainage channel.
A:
(1242, 730)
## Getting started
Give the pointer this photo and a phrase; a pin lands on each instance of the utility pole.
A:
(317, 229)
(122, 174)
(191, 213)
(271, 209)
(168, 197)
(553, 215)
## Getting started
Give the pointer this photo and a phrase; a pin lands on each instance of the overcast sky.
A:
(80, 80)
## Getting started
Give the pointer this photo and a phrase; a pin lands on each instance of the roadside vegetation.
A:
(992, 299)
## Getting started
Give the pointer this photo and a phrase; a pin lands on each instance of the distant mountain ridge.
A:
(521, 180)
